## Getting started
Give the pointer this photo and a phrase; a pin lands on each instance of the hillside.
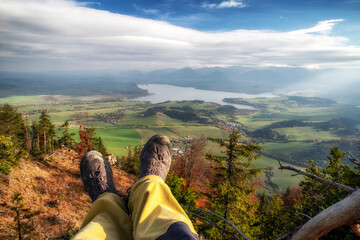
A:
(54, 188)
(45, 196)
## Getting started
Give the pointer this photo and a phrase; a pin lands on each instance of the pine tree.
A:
(99, 146)
(131, 163)
(67, 139)
(24, 217)
(28, 136)
(35, 133)
(47, 130)
(12, 125)
(7, 155)
(232, 193)
(274, 218)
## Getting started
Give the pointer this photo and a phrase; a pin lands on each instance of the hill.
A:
(52, 189)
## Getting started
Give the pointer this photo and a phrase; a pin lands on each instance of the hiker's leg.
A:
(154, 211)
(108, 216)
(107, 219)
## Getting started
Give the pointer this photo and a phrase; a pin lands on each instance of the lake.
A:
(162, 92)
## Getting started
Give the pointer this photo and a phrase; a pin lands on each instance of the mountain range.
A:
(342, 85)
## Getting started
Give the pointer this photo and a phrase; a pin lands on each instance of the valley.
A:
(290, 129)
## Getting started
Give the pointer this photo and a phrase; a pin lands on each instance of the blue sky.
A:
(280, 15)
(43, 35)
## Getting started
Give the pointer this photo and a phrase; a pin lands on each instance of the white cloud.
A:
(62, 35)
(225, 4)
(323, 27)
(146, 11)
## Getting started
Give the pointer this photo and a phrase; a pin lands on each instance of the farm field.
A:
(256, 120)
(307, 133)
(286, 147)
(21, 99)
(116, 139)
(282, 178)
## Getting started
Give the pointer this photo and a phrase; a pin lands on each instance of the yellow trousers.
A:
(152, 213)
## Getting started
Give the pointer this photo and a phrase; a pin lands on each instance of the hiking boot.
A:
(96, 175)
(155, 158)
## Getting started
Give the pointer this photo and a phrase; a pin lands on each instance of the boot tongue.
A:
(100, 176)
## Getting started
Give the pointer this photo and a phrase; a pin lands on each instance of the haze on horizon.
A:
(67, 35)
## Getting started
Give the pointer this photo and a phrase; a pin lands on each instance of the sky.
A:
(63, 35)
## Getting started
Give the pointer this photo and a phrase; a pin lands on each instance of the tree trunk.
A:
(44, 141)
(19, 224)
(50, 144)
(38, 139)
(347, 211)
(28, 140)
(227, 201)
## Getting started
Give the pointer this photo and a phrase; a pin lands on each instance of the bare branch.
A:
(302, 214)
(353, 159)
(214, 224)
(347, 211)
(288, 235)
(322, 180)
(50, 155)
(228, 222)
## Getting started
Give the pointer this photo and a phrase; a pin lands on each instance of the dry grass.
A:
(54, 188)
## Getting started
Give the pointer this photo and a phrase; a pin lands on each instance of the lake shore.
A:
(161, 93)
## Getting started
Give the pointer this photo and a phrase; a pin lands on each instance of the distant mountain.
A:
(341, 85)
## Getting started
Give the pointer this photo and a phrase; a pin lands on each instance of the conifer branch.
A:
(214, 224)
(214, 214)
(320, 179)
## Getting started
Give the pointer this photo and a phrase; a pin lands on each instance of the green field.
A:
(278, 109)
(306, 133)
(198, 131)
(146, 133)
(287, 147)
(117, 139)
(138, 120)
(282, 178)
(21, 99)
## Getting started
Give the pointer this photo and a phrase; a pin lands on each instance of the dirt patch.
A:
(53, 189)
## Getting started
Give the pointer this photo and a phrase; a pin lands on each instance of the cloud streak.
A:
(225, 4)
(44, 35)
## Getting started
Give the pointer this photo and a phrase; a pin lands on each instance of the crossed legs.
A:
(151, 213)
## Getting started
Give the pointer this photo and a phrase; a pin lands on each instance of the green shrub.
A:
(185, 196)
(7, 155)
